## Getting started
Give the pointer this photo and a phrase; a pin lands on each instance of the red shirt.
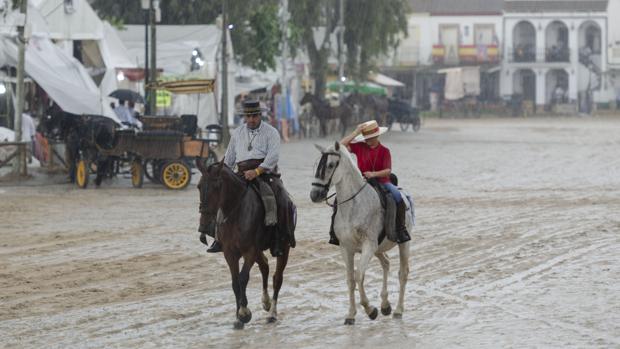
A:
(372, 159)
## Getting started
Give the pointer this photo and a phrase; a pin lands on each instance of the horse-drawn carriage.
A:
(402, 112)
(163, 151)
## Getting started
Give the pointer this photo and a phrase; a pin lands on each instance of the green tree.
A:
(372, 29)
(255, 33)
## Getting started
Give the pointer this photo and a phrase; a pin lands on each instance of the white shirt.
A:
(247, 144)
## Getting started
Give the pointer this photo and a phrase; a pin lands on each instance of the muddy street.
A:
(516, 245)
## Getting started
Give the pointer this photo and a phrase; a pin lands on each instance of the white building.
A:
(551, 45)
(445, 33)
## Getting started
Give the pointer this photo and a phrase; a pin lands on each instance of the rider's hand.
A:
(250, 175)
(370, 174)
(359, 128)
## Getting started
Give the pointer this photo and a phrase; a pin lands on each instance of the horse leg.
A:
(367, 251)
(263, 265)
(278, 277)
(233, 265)
(349, 262)
(403, 273)
(386, 308)
(244, 314)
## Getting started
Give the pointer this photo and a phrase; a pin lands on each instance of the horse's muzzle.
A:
(318, 194)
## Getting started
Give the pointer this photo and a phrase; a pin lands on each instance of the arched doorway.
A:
(556, 87)
(556, 42)
(524, 42)
(524, 88)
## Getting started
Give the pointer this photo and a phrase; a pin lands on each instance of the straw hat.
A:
(370, 129)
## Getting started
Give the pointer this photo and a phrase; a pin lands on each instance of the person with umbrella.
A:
(126, 114)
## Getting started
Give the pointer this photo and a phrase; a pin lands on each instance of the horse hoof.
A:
(271, 319)
(267, 306)
(245, 317)
(349, 321)
(387, 310)
(373, 314)
(238, 325)
(397, 316)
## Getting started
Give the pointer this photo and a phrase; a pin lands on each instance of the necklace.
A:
(252, 140)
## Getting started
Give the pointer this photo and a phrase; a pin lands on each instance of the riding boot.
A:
(332, 234)
(216, 246)
(401, 229)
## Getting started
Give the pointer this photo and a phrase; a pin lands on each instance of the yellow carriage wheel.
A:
(81, 174)
(137, 174)
(176, 175)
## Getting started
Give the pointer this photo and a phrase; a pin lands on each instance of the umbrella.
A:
(363, 88)
(127, 95)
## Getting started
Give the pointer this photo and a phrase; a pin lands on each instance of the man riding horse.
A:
(255, 148)
(375, 162)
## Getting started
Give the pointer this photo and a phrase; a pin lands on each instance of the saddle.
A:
(280, 211)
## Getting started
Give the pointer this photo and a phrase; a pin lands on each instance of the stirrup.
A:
(334, 240)
(216, 246)
(402, 236)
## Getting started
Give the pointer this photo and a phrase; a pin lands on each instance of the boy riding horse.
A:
(375, 162)
(255, 148)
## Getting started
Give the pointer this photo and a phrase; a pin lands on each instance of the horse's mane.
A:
(346, 154)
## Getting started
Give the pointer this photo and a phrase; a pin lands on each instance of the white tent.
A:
(68, 20)
(62, 77)
(461, 82)
(175, 44)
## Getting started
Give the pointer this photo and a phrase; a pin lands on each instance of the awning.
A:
(385, 80)
(188, 86)
(363, 88)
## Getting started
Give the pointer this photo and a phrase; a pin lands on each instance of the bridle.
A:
(320, 174)
(203, 207)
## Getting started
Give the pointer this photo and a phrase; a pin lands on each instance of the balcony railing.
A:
(531, 55)
(466, 54)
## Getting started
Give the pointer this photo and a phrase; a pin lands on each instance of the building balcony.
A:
(472, 54)
(539, 55)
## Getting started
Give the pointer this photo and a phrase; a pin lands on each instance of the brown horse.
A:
(238, 209)
(324, 112)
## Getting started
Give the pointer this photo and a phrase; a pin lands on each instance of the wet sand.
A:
(516, 245)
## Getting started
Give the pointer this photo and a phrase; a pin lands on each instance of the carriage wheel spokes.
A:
(176, 175)
(137, 173)
(81, 173)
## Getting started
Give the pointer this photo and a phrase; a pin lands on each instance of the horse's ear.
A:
(337, 146)
(200, 164)
(320, 148)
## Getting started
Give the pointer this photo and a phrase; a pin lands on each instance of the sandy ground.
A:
(516, 246)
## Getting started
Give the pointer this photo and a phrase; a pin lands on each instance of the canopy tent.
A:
(175, 45)
(384, 80)
(461, 82)
(68, 20)
(367, 88)
(62, 77)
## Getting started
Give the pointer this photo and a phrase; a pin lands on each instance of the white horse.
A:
(358, 224)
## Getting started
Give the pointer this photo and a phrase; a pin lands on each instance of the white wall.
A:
(540, 67)
(426, 30)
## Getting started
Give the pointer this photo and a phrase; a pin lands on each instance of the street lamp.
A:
(146, 6)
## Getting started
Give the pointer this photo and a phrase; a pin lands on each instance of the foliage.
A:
(256, 33)
(372, 28)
